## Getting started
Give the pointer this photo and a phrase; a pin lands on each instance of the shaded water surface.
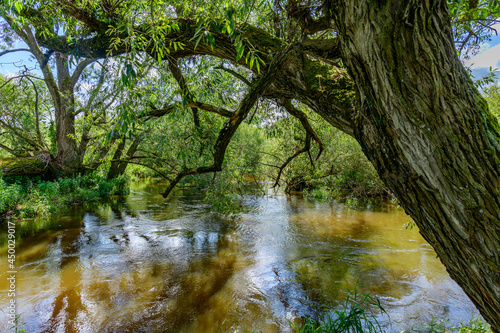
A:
(143, 264)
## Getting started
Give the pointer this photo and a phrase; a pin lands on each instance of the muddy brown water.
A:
(145, 264)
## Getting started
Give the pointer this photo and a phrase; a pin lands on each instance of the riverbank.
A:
(22, 197)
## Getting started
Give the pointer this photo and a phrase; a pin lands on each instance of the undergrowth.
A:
(22, 197)
(437, 325)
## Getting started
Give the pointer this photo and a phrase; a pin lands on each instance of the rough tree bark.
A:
(428, 133)
(67, 149)
(118, 166)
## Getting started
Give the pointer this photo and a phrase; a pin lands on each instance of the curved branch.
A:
(11, 151)
(322, 48)
(230, 127)
(303, 120)
(145, 165)
(79, 69)
(331, 98)
(83, 15)
(31, 142)
(37, 114)
(14, 50)
(157, 113)
(309, 134)
(235, 74)
(177, 73)
(211, 108)
(306, 148)
(302, 14)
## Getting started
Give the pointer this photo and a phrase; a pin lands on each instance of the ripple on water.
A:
(148, 265)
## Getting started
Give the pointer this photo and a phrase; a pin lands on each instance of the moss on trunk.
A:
(42, 166)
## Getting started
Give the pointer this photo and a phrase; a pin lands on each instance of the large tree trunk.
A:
(429, 134)
(67, 150)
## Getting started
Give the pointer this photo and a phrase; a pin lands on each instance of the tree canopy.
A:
(122, 74)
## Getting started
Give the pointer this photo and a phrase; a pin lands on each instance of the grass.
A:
(17, 325)
(22, 197)
(357, 315)
(437, 325)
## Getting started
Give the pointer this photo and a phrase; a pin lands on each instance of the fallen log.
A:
(42, 165)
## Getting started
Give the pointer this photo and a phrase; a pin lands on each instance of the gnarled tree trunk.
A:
(429, 134)
(67, 150)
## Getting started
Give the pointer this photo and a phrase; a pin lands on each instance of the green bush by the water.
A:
(24, 197)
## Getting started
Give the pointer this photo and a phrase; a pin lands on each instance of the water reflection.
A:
(143, 264)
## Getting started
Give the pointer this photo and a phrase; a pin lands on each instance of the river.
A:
(146, 264)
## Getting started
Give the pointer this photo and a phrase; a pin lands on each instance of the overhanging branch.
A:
(235, 74)
(79, 69)
(14, 50)
(211, 108)
(302, 14)
(177, 73)
(306, 148)
(230, 127)
(303, 120)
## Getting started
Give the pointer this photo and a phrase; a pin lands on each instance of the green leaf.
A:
(110, 135)
(125, 81)
(240, 49)
(210, 39)
(19, 7)
(197, 42)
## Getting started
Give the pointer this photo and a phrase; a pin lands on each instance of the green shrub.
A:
(10, 195)
(320, 193)
(476, 325)
(222, 199)
(29, 198)
(438, 325)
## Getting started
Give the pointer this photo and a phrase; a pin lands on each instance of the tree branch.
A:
(303, 120)
(37, 114)
(83, 15)
(211, 108)
(145, 165)
(177, 73)
(11, 151)
(157, 113)
(322, 48)
(235, 74)
(79, 69)
(31, 142)
(303, 16)
(230, 127)
(306, 148)
(14, 50)
(296, 82)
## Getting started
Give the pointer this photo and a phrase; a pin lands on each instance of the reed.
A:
(357, 315)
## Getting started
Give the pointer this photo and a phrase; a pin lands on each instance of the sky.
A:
(489, 55)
